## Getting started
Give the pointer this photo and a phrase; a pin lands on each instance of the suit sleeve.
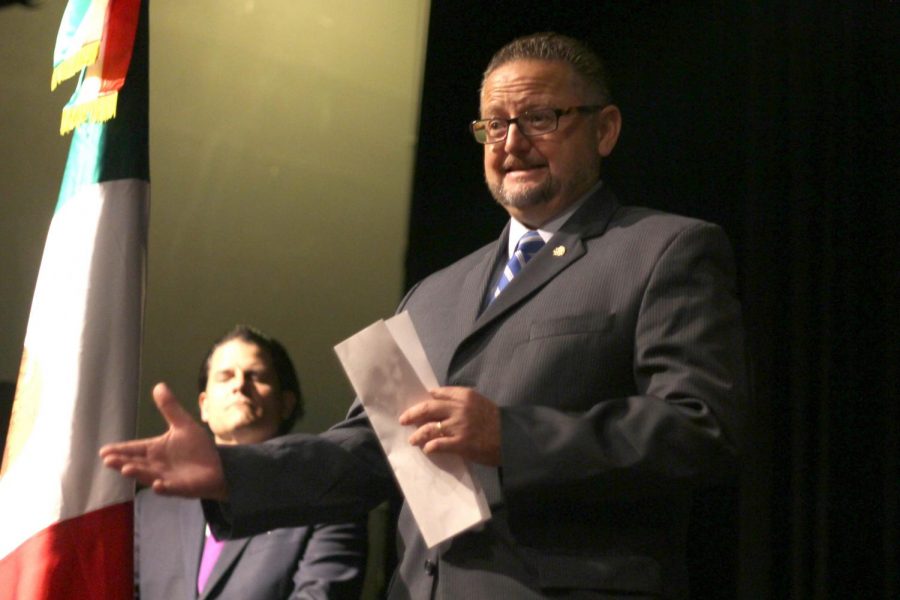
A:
(301, 479)
(333, 564)
(681, 424)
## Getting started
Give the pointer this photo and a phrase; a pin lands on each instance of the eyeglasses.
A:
(531, 122)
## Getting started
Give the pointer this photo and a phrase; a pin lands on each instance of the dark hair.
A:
(554, 46)
(281, 362)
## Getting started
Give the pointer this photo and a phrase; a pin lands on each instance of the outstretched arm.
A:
(181, 462)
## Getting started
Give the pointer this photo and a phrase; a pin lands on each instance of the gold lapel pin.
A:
(559, 251)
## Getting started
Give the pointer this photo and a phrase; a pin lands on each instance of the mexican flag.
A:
(65, 520)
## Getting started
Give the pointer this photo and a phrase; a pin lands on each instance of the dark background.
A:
(776, 120)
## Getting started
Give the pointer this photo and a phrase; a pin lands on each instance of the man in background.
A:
(249, 393)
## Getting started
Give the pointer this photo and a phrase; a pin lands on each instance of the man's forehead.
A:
(523, 79)
(238, 350)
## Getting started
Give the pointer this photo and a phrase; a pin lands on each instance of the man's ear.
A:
(609, 124)
(201, 402)
(288, 401)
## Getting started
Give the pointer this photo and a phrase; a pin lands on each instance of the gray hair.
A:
(552, 46)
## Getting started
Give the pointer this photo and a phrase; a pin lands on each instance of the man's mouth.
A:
(518, 168)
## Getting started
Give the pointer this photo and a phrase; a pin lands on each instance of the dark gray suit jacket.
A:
(617, 359)
(315, 562)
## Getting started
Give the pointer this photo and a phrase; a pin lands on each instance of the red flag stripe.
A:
(88, 557)
(118, 43)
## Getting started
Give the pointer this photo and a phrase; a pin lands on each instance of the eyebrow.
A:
(261, 368)
(525, 108)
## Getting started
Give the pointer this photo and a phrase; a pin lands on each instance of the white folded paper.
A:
(389, 371)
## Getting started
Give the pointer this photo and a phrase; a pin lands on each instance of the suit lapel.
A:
(193, 532)
(471, 296)
(559, 252)
(475, 286)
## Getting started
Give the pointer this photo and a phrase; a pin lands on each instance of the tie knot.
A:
(529, 244)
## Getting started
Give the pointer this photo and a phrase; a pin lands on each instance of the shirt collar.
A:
(546, 231)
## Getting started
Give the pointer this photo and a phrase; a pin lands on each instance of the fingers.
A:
(451, 393)
(441, 444)
(432, 418)
(118, 454)
(425, 433)
(457, 420)
(130, 459)
(129, 465)
(436, 409)
(111, 453)
(160, 487)
(140, 473)
(436, 439)
(115, 456)
(420, 413)
(169, 407)
(182, 461)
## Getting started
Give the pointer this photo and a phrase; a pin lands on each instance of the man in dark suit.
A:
(591, 364)
(249, 393)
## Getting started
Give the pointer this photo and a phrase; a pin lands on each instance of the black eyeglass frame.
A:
(557, 112)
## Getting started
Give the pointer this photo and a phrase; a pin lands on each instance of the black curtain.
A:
(7, 393)
(778, 121)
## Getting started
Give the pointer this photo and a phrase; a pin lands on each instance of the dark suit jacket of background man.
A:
(617, 359)
(315, 562)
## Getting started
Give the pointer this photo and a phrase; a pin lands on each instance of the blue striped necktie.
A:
(527, 247)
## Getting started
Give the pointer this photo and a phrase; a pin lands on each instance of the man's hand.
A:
(181, 462)
(457, 420)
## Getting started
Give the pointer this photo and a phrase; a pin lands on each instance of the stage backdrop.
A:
(778, 121)
(282, 137)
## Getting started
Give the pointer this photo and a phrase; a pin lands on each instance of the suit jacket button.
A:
(430, 568)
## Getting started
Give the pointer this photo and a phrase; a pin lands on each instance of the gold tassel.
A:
(87, 55)
(98, 110)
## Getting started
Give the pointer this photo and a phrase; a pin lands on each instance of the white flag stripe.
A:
(84, 323)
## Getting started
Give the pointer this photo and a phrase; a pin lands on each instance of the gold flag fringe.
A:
(98, 110)
(87, 55)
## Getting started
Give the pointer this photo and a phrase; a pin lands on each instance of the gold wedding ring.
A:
(440, 429)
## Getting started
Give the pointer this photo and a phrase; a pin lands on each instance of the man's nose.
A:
(240, 379)
(516, 142)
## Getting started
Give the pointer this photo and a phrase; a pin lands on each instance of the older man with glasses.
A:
(591, 368)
